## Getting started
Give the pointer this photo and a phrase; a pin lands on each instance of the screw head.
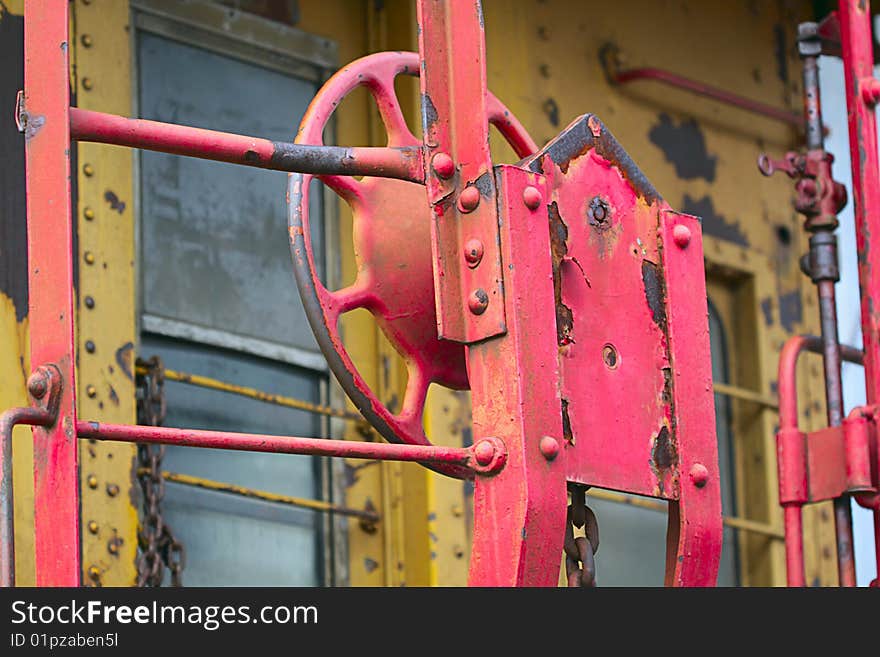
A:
(469, 199)
(443, 165)
(478, 301)
(473, 252)
(549, 447)
(484, 452)
(38, 384)
(699, 475)
(532, 197)
(681, 235)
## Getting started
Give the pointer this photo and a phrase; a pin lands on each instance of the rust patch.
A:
(559, 249)
(664, 456)
(684, 146)
(566, 424)
(114, 201)
(655, 294)
(123, 359)
(551, 109)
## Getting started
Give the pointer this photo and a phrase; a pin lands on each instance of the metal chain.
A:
(158, 546)
(580, 567)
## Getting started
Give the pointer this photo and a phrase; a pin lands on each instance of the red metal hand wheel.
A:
(392, 244)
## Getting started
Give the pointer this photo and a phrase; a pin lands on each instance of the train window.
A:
(218, 299)
(632, 545)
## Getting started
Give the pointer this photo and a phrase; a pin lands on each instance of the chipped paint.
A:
(714, 223)
(684, 146)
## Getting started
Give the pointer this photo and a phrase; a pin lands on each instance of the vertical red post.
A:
(50, 278)
(858, 58)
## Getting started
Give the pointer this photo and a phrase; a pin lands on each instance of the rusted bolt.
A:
(92, 481)
(478, 301)
(89, 257)
(112, 490)
(609, 355)
(93, 527)
(88, 170)
(87, 84)
(90, 302)
(681, 235)
(91, 391)
(598, 210)
(38, 384)
(88, 213)
(94, 572)
(443, 165)
(469, 199)
(532, 197)
(473, 252)
(484, 452)
(90, 346)
(549, 447)
(86, 40)
(699, 475)
(458, 551)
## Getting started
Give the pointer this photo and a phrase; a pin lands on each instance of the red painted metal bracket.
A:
(458, 171)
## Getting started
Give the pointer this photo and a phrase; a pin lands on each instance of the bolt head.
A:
(443, 165)
(473, 252)
(478, 301)
(699, 475)
(469, 199)
(681, 235)
(532, 197)
(484, 452)
(38, 384)
(549, 447)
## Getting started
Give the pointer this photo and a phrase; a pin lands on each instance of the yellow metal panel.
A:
(106, 331)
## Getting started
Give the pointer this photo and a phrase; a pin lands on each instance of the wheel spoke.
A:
(381, 87)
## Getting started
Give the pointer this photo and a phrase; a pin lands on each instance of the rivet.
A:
(94, 573)
(484, 452)
(113, 546)
(88, 170)
(89, 257)
(457, 511)
(699, 475)
(458, 551)
(91, 391)
(93, 527)
(87, 84)
(112, 490)
(90, 302)
(88, 213)
(469, 199)
(443, 165)
(92, 481)
(473, 252)
(86, 40)
(478, 301)
(681, 235)
(38, 385)
(532, 197)
(90, 346)
(549, 447)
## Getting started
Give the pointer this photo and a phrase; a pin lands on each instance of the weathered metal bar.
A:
(8, 420)
(789, 446)
(745, 395)
(625, 76)
(44, 118)
(861, 97)
(402, 163)
(222, 487)
(485, 456)
(253, 393)
(741, 524)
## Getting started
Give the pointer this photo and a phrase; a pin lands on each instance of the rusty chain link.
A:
(158, 546)
(580, 567)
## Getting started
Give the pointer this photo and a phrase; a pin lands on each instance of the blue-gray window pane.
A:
(214, 235)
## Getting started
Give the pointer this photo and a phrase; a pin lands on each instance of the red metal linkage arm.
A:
(796, 484)
(403, 163)
(617, 75)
